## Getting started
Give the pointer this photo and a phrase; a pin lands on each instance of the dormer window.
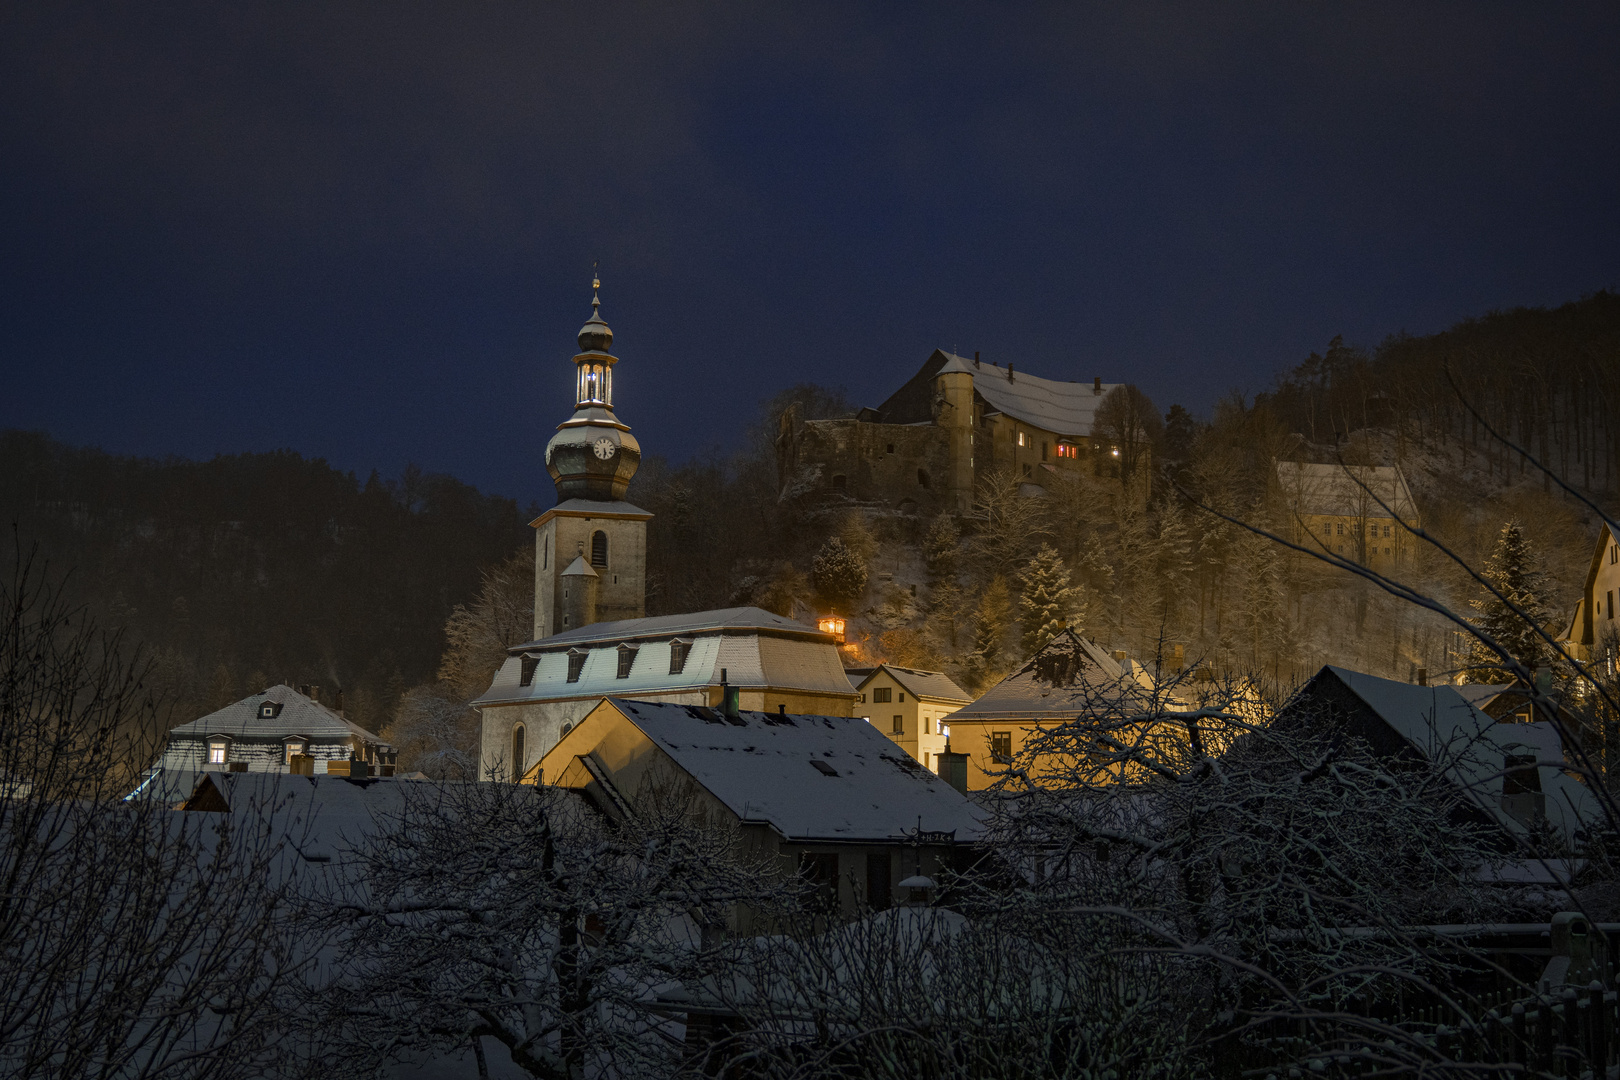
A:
(678, 650)
(269, 710)
(527, 672)
(627, 660)
(576, 663)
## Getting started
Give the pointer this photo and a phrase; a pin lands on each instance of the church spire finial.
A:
(596, 284)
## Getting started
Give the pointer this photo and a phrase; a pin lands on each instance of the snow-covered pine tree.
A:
(1514, 571)
(1047, 600)
(839, 575)
(941, 547)
(984, 662)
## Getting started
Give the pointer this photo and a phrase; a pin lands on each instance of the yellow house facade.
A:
(909, 706)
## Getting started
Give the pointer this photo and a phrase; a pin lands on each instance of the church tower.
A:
(590, 550)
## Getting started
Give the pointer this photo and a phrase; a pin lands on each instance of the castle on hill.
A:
(925, 448)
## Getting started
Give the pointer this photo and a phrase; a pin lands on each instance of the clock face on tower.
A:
(604, 448)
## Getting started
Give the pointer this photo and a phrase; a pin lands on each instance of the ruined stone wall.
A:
(902, 467)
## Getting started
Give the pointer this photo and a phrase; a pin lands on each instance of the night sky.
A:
(365, 232)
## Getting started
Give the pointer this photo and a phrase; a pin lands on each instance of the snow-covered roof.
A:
(697, 622)
(808, 777)
(1058, 682)
(1064, 408)
(754, 649)
(1337, 490)
(935, 685)
(1473, 747)
(298, 715)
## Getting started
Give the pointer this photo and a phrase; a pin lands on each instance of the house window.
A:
(1611, 603)
(598, 548)
(838, 482)
(627, 660)
(1028, 472)
(820, 873)
(576, 664)
(902, 695)
(216, 753)
(891, 448)
(1043, 451)
(928, 725)
(925, 760)
(881, 694)
(899, 724)
(922, 478)
(1001, 746)
(1387, 528)
(517, 751)
(1020, 438)
(293, 748)
(677, 655)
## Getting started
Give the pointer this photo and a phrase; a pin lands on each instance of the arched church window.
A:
(517, 751)
(599, 548)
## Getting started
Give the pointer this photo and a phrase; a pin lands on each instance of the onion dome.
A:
(595, 335)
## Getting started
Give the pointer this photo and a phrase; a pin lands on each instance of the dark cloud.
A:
(364, 230)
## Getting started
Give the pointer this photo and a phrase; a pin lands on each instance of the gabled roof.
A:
(726, 620)
(1058, 682)
(760, 765)
(1336, 490)
(934, 685)
(1063, 408)
(1471, 747)
(298, 716)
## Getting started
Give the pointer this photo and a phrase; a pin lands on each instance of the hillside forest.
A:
(402, 594)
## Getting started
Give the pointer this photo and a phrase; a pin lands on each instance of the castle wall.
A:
(903, 466)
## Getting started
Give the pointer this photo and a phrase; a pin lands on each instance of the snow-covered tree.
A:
(518, 913)
(992, 617)
(839, 575)
(136, 942)
(1047, 600)
(1514, 572)
(941, 546)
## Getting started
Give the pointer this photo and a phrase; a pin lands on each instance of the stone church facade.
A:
(925, 448)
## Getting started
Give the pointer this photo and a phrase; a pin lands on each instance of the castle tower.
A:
(591, 529)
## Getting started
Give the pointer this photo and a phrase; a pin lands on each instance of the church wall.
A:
(620, 593)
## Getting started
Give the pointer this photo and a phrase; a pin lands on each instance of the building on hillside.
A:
(590, 550)
(828, 796)
(1070, 678)
(1513, 773)
(1593, 635)
(924, 448)
(278, 730)
(1354, 511)
(546, 686)
(909, 706)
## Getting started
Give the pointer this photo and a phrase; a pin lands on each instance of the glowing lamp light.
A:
(832, 624)
(1116, 452)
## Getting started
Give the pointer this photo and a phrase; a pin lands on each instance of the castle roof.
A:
(1064, 408)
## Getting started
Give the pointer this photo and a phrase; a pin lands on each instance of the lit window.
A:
(1020, 438)
(216, 753)
(294, 748)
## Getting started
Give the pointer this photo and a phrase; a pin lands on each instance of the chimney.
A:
(728, 698)
(338, 706)
(1096, 385)
(975, 357)
(1423, 676)
(1009, 371)
(313, 692)
(781, 709)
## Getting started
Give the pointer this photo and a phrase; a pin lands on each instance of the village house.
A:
(1070, 677)
(830, 797)
(277, 730)
(1593, 634)
(1354, 511)
(546, 687)
(923, 449)
(1513, 771)
(909, 707)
